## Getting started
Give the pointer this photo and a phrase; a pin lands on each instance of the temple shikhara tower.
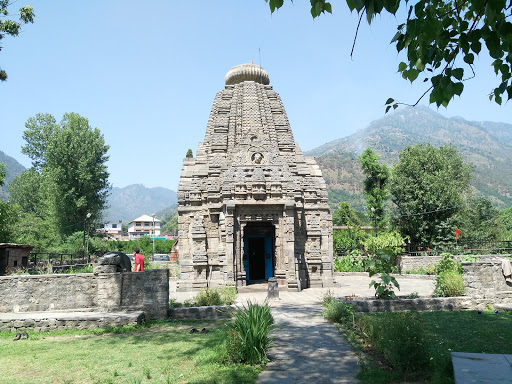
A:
(251, 206)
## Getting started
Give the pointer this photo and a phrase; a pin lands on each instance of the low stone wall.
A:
(48, 292)
(146, 291)
(485, 283)
(408, 263)
(420, 304)
(54, 321)
(213, 312)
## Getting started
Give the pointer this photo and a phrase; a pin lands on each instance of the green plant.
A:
(381, 263)
(400, 337)
(350, 263)
(413, 295)
(173, 303)
(449, 284)
(208, 297)
(447, 263)
(228, 294)
(336, 311)
(248, 336)
(470, 258)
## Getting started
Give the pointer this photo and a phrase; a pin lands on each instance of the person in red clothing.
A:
(138, 260)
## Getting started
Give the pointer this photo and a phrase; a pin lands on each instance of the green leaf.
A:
(389, 101)
(402, 66)
(469, 58)
(419, 64)
(458, 73)
(458, 88)
(412, 74)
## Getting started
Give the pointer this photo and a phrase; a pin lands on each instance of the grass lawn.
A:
(445, 332)
(162, 352)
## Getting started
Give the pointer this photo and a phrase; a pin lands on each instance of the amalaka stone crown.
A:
(246, 72)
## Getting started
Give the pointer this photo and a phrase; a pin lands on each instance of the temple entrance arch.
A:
(258, 251)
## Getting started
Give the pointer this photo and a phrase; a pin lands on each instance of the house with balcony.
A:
(144, 226)
(112, 230)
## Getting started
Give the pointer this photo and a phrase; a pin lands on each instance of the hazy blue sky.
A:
(146, 73)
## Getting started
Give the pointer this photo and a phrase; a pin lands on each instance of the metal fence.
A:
(58, 259)
(461, 248)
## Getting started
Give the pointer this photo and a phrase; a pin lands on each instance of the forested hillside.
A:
(487, 145)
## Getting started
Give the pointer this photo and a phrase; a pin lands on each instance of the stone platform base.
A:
(52, 321)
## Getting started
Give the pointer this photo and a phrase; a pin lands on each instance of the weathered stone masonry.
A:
(250, 204)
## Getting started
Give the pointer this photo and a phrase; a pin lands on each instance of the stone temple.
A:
(251, 206)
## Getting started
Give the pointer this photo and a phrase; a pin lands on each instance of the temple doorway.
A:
(259, 251)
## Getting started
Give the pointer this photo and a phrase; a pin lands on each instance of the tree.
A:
(7, 213)
(440, 39)
(189, 153)
(40, 130)
(428, 186)
(28, 192)
(10, 27)
(75, 162)
(71, 157)
(375, 184)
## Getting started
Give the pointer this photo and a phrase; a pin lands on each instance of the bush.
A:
(216, 296)
(208, 297)
(349, 263)
(400, 338)
(448, 263)
(449, 284)
(337, 311)
(248, 336)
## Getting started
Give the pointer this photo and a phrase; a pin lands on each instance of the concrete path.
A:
(481, 368)
(307, 348)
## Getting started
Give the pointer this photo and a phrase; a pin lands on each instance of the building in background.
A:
(144, 225)
(112, 230)
(13, 257)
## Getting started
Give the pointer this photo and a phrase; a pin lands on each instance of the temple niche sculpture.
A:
(251, 206)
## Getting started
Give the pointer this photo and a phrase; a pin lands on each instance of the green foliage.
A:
(400, 338)
(350, 263)
(2, 174)
(189, 154)
(248, 336)
(441, 40)
(428, 186)
(11, 27)
(383, 252)
(336, 311)
(8, 219)
(216, 296)
(375, 183)
(447, 263)
(449, 283)
(70, 159)
(390, 243)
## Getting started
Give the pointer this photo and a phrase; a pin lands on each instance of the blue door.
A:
(258, 258)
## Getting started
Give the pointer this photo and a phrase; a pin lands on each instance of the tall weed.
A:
(449, 284)
(248, 336)
(400, 338)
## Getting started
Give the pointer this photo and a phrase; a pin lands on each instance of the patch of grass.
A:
(165, 351)
(441, 333)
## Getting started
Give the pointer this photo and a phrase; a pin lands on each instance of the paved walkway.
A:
(309, 349)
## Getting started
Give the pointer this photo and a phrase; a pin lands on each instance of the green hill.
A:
(487, 145)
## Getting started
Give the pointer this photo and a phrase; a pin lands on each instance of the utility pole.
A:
(85, 230)
(153, 235)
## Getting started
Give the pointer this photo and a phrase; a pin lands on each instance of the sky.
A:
(146, 74)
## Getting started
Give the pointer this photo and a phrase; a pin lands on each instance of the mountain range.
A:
(486, 145)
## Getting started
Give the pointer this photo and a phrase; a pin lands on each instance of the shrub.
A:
(248, 336)
(449, 284)
(337, 311)
(448, 263)
(400, 338)
(216, 296)
(208, 297)
(349, 263)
